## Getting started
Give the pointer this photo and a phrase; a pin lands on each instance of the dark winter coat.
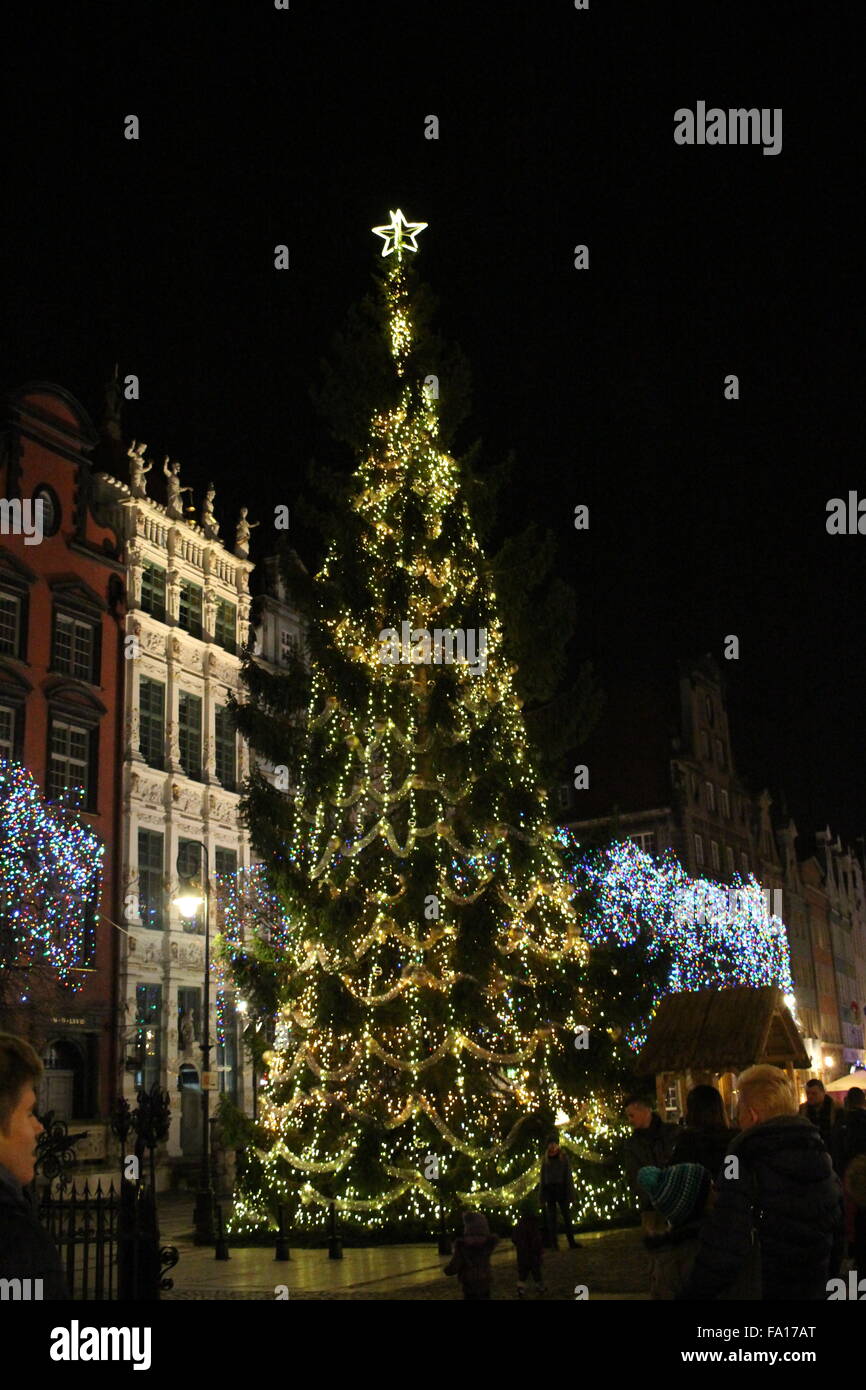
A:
(471, 1263)
(556, 1172)
(821, 1116)
(26, 1249)
(648, 1148)
(787, 1188)
(672, 1258)
(705, 1146)
(848, 1138)
(528, 1240)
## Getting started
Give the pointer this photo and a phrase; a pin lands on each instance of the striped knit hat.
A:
(678, 1192)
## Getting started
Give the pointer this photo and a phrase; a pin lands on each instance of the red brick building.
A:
(61, 658)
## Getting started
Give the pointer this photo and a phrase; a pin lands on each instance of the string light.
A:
(432, 959)
(50, 877)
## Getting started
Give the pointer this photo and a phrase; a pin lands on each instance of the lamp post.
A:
(188, 901)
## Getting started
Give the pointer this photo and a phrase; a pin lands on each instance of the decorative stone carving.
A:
(174, 505)
(242, 535)
(137, 469)
(209, 523)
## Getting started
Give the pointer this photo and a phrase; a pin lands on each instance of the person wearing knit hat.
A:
(680, 1194)
(677, 1192)
(471, 1258)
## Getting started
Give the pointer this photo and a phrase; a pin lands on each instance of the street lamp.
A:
(188, 900)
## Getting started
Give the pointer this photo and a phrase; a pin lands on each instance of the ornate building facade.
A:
(182, 767)
(61, 681)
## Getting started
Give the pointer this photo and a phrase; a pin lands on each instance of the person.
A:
(855, 1191)
(848, 1136)
(26, 1249)
(650, 1144)
(529, 1246)
(706, 1135)
(779, 1205)
(681, 1194)
(471, 1258)
(848, 1140)
(819, 1108)
(557, 1189)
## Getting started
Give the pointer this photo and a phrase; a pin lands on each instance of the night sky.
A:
(306, 127)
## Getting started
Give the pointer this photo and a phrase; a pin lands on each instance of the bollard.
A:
(282, 1250)
(444, 1242)
(221, 1248)
(335, 1244)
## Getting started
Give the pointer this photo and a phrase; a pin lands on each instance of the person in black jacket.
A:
(848, 1137)
(819, 1108)
(26, 1250)
(471, 1258)
(781, 1193)
(848, 1140)
(557, 1189)
(706, 1135)
(649, 1146)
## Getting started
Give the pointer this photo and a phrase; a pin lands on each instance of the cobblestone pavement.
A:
(611, 1264)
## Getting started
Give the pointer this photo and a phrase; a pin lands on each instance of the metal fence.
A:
(108, 1241)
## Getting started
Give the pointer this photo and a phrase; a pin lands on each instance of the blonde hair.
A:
(767, 1091)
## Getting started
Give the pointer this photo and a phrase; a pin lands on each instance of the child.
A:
(529, 1245)
(471, 1258)
(680, 1194)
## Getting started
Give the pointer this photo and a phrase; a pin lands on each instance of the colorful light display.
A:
(50, 879)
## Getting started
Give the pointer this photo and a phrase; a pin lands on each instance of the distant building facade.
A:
(662, 773)
(61, 692)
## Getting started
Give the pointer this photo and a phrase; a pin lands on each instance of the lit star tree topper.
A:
(399, 235)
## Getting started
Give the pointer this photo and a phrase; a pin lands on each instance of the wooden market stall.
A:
(710, 1035)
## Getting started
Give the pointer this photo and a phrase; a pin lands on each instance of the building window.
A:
(645, 840)
(226, 863)
(151, 872)
(705, 741)
(708, 706)
(699, 849)
(74, 647)
(710, 789)
(50, 508)
(10, 624)
(226, 624)
(151, 704)
(153, 590)
(288, 646)
(7, 732)
(715, 856)
(189, 734)
(226, 1050)
(225, 748)
(720, 753)
(726, 803)
(189, 611)
(148, 1019)
(70, 761)
(563, 796)
(744, 865)
(729, 861)
(672, 1099)
(189, 861)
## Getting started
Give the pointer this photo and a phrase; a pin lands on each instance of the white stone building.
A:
(182, 766)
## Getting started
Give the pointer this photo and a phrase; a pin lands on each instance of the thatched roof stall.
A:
(713, 1032)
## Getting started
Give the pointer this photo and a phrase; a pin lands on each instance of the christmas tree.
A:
(437, 1010)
